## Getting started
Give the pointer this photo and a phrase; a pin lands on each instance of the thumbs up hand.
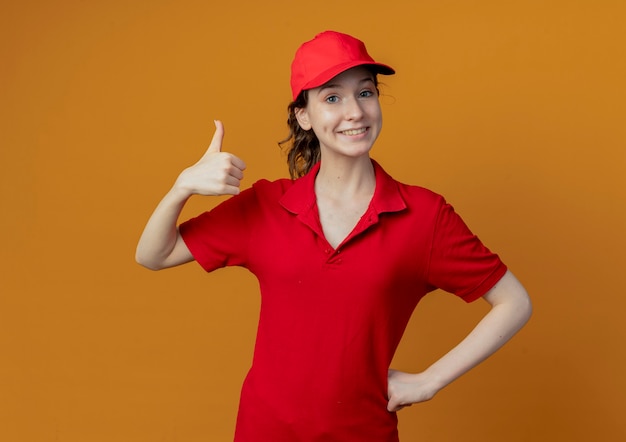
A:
(216, 173)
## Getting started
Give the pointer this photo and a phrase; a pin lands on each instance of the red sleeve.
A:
(459, 262)
(220, 237)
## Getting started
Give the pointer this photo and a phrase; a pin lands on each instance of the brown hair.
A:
(303, 147)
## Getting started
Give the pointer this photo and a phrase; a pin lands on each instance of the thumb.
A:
(218, 137)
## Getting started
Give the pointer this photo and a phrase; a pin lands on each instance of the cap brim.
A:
(329, 74)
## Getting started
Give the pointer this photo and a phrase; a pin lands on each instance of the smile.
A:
(354, 131)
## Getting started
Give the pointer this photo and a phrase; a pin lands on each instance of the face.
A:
(344, 114)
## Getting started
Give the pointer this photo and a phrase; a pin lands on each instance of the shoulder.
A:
(412, 195)
(264, 189)
(270, 193)
(276, 186)
(419, 194)
(421, 199)
(424, 206)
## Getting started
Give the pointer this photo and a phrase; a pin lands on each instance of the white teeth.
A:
(353, 131)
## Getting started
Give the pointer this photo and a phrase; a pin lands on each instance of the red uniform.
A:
(331, 319)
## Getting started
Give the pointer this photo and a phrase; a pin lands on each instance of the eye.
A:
(366, 93)
(332, 99)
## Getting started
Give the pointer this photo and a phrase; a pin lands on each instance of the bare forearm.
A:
(511, 309)
(491, 333)
(160, 235)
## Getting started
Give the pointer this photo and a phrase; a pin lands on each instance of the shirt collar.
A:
(300, 197)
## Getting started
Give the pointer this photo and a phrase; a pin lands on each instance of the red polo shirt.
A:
(331, 319)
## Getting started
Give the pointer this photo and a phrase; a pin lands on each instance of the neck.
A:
(346, 178)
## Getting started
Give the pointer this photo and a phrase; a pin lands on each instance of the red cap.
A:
(326, 56)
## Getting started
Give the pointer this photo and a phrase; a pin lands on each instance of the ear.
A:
(303, 118)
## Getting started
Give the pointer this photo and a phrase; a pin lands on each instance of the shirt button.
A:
(327, 251)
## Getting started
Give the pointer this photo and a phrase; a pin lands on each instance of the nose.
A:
(353, 110)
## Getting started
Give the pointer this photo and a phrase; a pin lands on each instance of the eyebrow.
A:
(336, 85)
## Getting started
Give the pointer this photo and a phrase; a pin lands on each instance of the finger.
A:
(236, 172)
(392, 407)
(230, 190)
(218, 137)
(232, 181)
(238, 163)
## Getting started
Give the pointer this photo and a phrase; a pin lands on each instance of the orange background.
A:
(515, 111)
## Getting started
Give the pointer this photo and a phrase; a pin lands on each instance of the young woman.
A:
(343, 254)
